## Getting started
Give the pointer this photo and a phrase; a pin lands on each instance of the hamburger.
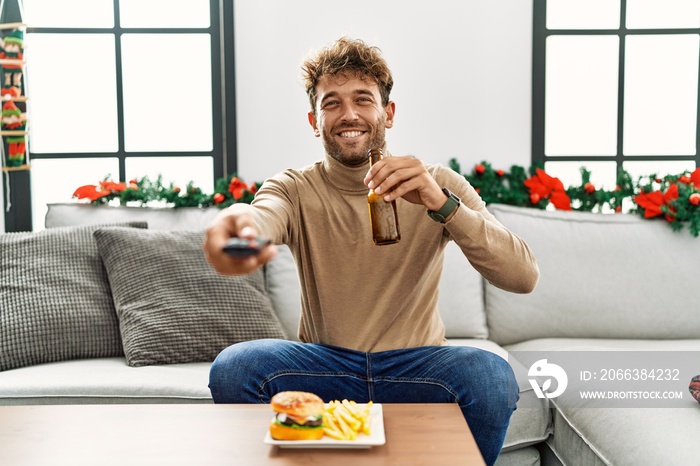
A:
(299, 416)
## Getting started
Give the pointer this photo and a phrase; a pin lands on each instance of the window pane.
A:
(666, 14)
(583, 14)
(69, 13)
(164, 13)
(177, 170)
(55, 180)
(72, 108)
(661, 74)
(167, 92)
(603, 174)
(581, 95)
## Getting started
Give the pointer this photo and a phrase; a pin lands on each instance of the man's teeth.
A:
(350, 134)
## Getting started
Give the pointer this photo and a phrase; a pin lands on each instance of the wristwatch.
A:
(447, 208)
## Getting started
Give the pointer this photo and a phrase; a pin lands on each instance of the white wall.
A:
(462, 72)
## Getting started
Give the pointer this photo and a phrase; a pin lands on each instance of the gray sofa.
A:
(610, 285)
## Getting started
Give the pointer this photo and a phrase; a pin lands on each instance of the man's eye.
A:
(364, 100)
(330, 104)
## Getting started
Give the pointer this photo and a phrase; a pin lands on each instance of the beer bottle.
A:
(382, 215)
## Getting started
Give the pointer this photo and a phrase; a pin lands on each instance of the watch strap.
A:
(447, 208)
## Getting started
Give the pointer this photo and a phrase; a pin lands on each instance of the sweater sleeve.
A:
(500, 256)
(274, 208)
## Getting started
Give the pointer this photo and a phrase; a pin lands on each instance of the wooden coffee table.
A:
(203, 434)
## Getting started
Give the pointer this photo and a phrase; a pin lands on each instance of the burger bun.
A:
(297, 404)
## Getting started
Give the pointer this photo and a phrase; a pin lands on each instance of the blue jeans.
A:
(481, 382)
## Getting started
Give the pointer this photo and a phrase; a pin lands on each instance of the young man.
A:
(370, 327)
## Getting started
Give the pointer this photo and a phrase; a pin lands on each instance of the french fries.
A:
(343, 420)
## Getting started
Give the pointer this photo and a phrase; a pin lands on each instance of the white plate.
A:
(376, 436)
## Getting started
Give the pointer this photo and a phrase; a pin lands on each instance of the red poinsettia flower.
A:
(112, 186)
(653, 201)
(650, 202)
(90, 191)
(549, 187)
(236, 188)
(695, 177)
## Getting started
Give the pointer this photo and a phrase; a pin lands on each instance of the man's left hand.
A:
(405, 177)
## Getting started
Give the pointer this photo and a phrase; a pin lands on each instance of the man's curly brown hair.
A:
(347, 57)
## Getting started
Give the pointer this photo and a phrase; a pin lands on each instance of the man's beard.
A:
(357, 155)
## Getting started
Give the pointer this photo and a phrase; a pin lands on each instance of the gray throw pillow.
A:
(173, 307)
(55, 301)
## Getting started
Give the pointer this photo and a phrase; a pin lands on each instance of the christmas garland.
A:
(228, 190)
(676, 198)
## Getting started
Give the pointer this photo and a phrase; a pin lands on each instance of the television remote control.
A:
(245, 247)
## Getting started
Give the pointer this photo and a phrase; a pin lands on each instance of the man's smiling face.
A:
(349, 117)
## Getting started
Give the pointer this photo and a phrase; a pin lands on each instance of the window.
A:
(126, 88)
(615, 85)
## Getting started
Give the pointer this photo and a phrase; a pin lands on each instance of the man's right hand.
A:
(229, 224)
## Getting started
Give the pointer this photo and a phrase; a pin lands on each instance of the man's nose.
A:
(349, 113)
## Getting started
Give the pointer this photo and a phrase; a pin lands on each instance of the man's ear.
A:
(314, 125)
(390, 110)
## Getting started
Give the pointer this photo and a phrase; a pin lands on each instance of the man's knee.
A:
(235, 374)
(491, 376)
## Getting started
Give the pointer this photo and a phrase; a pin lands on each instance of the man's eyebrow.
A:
(364, 92)
(328, 96)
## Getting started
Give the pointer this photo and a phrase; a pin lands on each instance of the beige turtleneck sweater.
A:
(375, 298)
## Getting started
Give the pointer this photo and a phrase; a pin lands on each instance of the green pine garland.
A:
(676, 198)
(144, 191)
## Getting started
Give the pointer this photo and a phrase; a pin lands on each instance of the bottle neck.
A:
(375, 155)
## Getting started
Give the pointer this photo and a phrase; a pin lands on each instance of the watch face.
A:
(452, 195)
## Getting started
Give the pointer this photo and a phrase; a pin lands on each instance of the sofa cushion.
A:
(529, 456)
(603, 344)
(172, 306)
(55, 302)
(601, 275)
(461, 298)
(282, 282)
(616, 436)
(105, 380)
